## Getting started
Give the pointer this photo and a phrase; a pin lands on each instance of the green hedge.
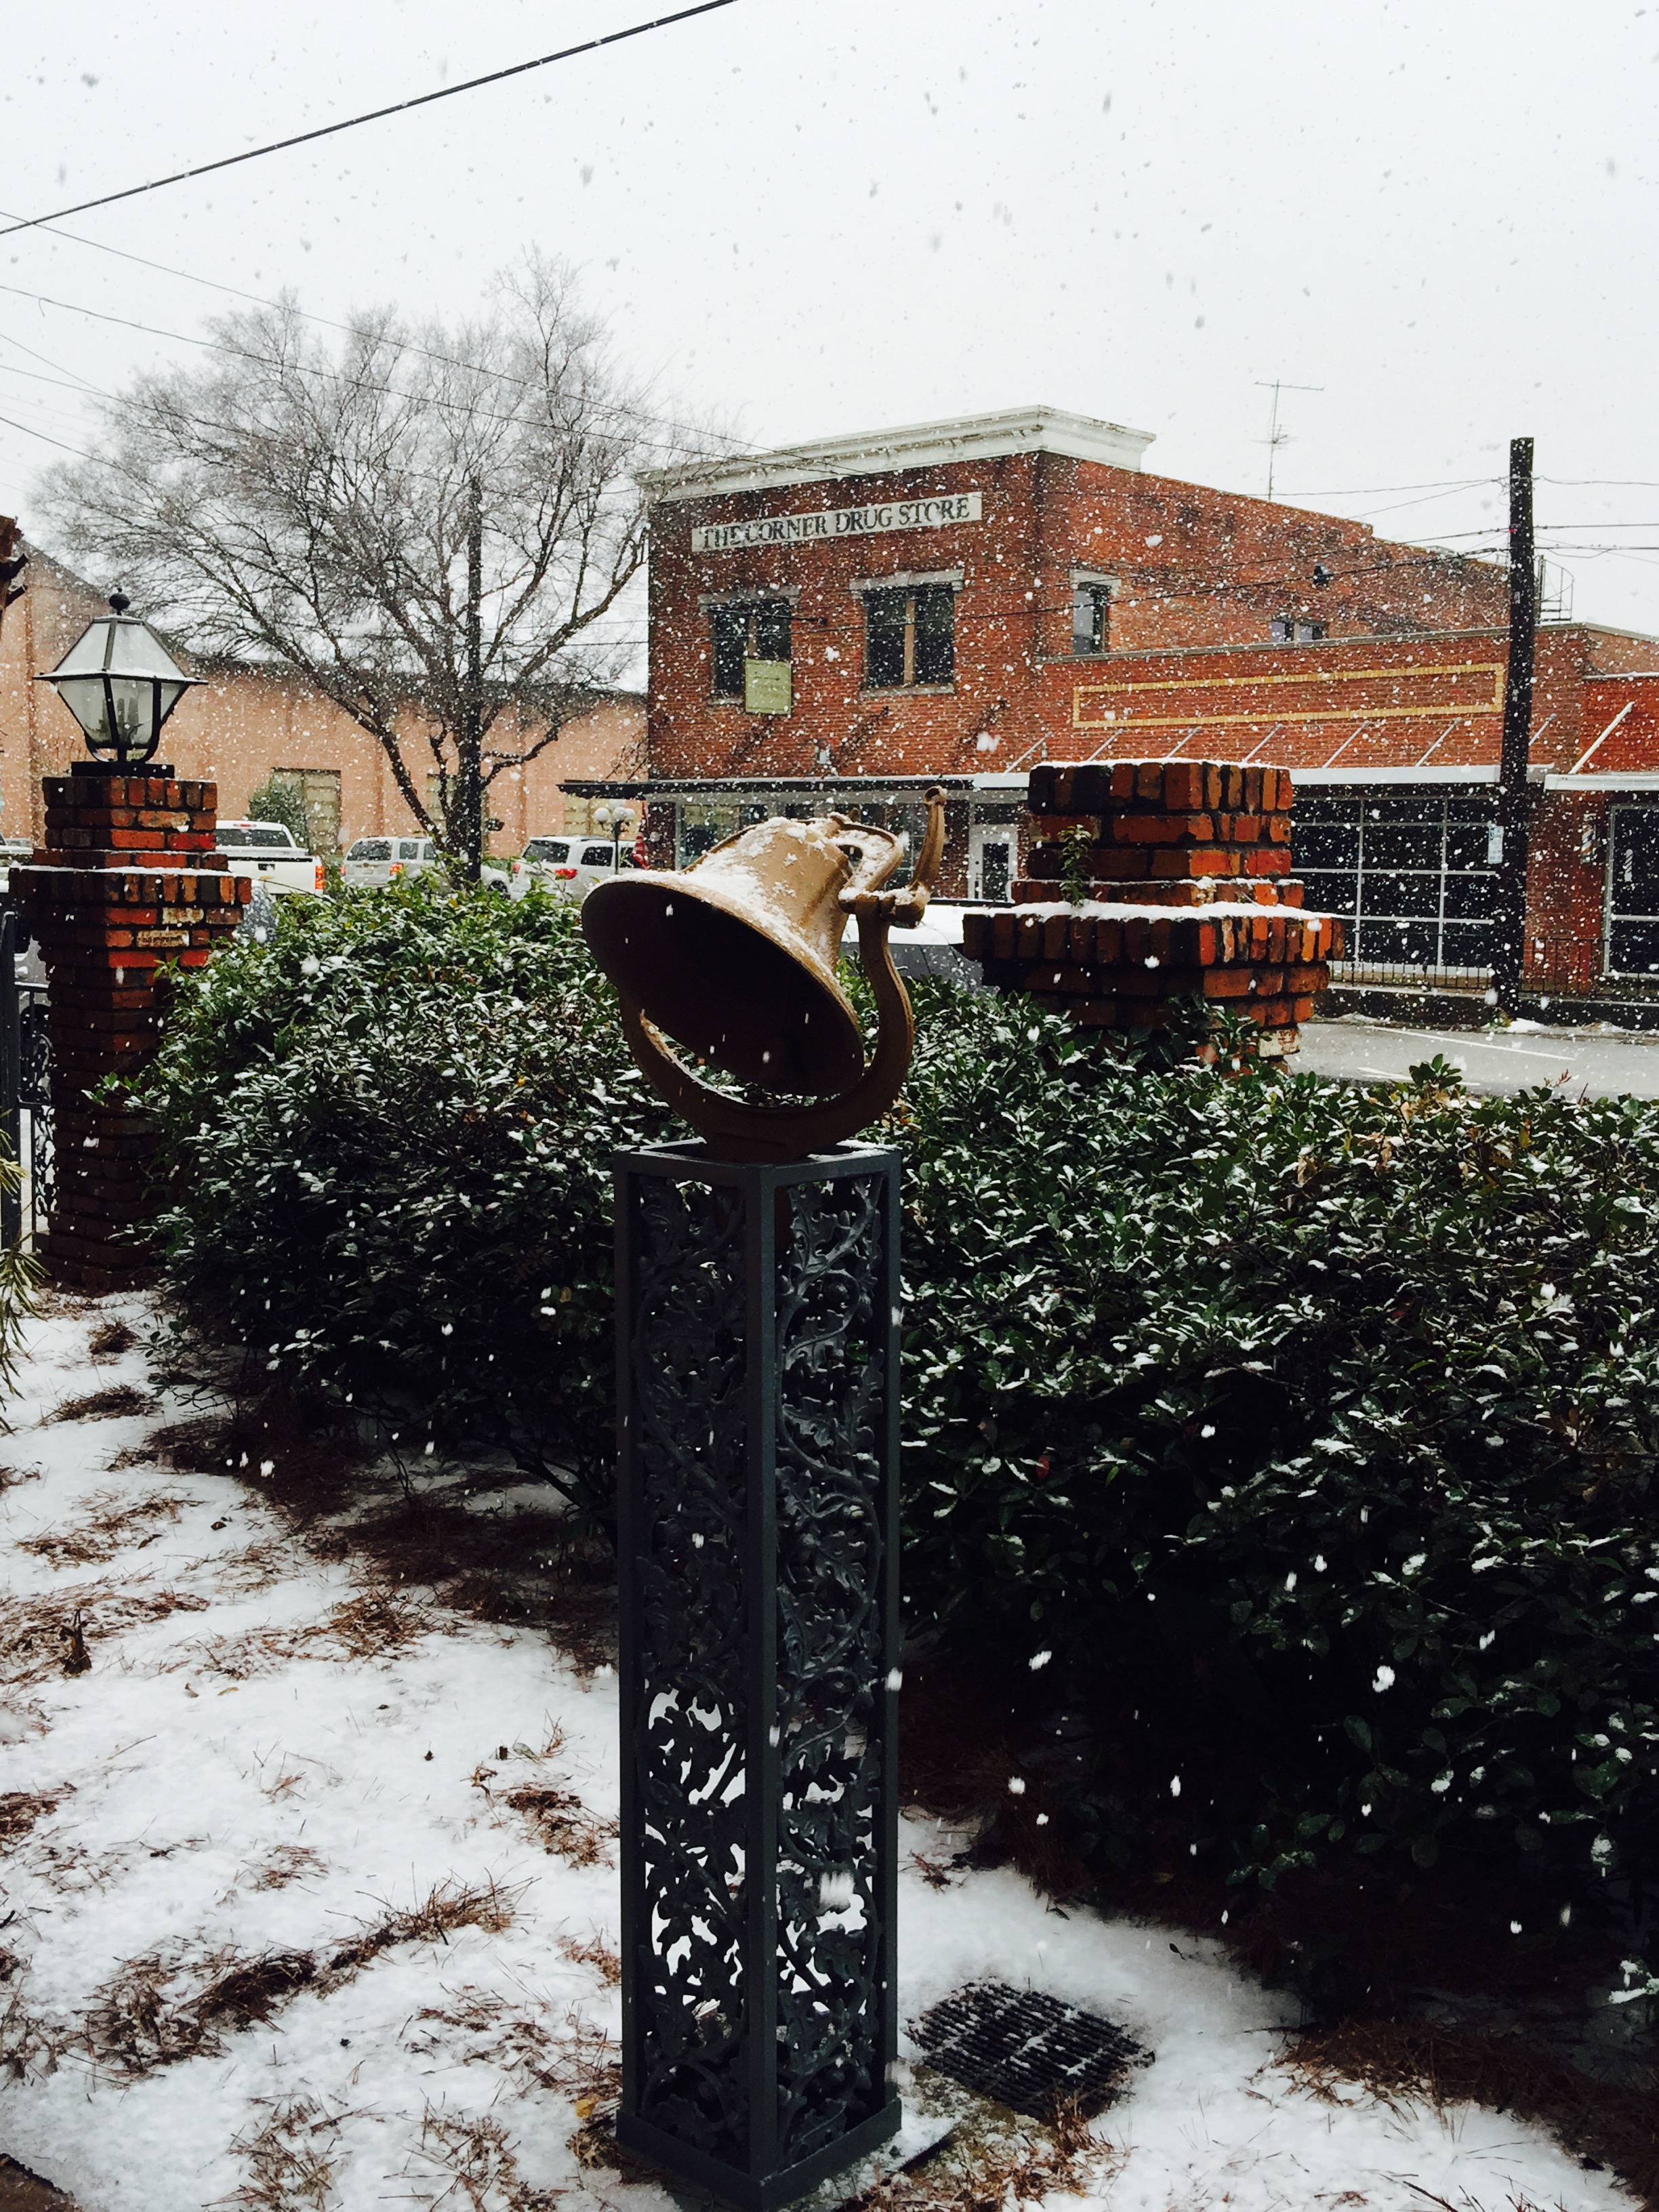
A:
(1313, 1426)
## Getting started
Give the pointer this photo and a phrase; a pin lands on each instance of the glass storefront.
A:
(1410, 871)
(1633, 891)
(700, 823)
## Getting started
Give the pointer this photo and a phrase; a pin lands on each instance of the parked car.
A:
(568, 867)
(372, 861)
(267, 852)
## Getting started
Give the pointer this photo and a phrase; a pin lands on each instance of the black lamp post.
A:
(120, 683)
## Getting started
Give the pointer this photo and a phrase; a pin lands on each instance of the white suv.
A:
(371, 861)
(568, 867)
(375, 860)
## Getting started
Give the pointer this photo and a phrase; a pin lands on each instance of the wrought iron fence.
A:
(26, 1115)
(1566, 972)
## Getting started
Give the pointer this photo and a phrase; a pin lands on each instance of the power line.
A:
(1365, 491)
(374, 115)
(306, 368)
(1424, 499)
(326, 323)
(30, 431)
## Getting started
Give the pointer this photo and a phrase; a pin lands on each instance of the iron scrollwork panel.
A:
(831, 1663)
(689, 1724)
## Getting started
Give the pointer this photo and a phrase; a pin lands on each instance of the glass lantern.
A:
(120, 683)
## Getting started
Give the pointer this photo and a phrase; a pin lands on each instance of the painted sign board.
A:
(827, 523)
(769, 687)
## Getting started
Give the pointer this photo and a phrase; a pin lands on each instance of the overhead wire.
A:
(372, 115)
(29, 430)
(330, 323)
(1365, 491)
(309, 369)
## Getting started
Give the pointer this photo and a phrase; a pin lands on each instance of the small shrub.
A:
(280, 801)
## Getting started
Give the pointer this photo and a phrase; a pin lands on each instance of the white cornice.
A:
(915, 446)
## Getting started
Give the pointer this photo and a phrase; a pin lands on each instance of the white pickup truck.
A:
(266, 851)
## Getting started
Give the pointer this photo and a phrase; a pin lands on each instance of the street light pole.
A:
(1509, 901)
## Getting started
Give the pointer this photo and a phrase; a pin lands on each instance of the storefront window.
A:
(1409, 872)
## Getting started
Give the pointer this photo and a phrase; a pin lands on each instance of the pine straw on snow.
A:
(1396, 2060)
(179, 2001)
(207, 1975)
(121, 1401)
(111, 1524)
(38, 1634)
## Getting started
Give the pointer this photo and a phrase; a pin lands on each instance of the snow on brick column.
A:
(128, 884)
(1186, 866)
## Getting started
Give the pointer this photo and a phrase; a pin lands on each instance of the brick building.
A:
(244, 724)
(841, 623)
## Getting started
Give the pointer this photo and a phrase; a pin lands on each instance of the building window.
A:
(1088, 605)
(1280, 628)
(1310, 633)
(1410, 871)
(909, 636)
(1287, 629)
(755, 629)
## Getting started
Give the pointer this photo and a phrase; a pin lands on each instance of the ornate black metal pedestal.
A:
(758, 1386)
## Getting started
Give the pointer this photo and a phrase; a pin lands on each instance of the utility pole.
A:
(1514, 800)
(1276, 437)
(469, 794)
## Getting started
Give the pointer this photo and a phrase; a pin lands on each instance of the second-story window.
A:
(1291, 629)
(1088, 605)
(754, 630)
(909, 635)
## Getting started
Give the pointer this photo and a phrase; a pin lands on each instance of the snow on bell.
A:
(120, 683)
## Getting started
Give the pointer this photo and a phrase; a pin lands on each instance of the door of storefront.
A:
(991, 860)
(1632, 937)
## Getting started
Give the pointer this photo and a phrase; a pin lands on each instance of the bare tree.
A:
(431, 525)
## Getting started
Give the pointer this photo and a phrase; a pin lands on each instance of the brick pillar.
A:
(127, 883)
(1189, 893)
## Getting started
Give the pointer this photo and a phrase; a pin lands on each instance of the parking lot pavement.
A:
(1512, 1060)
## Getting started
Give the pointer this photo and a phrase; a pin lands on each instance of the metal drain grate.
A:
(1026, 2049)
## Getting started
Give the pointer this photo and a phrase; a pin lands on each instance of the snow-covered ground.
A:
(275, 1935)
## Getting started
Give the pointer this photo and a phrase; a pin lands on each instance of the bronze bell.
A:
(735, 957)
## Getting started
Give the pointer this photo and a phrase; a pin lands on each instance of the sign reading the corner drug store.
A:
(828, 522)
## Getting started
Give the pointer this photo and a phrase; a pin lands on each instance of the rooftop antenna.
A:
(1276, 437)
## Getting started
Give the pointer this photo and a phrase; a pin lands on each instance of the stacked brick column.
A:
(127, 883)
(1189, 894)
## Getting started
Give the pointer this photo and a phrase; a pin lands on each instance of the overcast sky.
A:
(819, 217)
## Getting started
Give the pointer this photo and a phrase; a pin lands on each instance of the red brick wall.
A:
(1566, 883)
